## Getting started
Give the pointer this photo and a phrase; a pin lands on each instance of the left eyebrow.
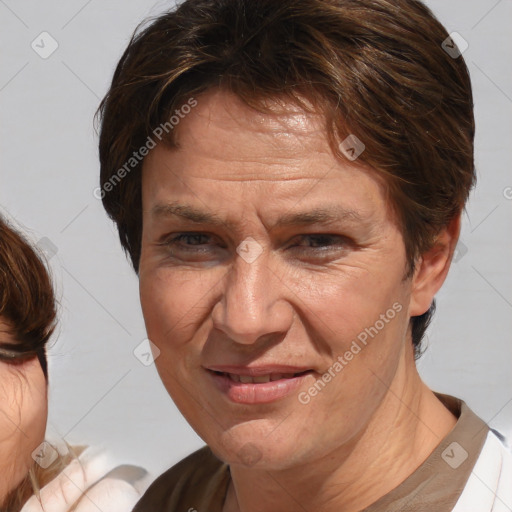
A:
(330, 215)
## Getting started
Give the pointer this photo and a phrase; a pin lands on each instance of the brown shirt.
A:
(200, 481)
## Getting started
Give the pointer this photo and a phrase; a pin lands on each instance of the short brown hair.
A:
(375, 69)
(27, 300)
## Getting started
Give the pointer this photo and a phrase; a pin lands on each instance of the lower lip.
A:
(251, 393)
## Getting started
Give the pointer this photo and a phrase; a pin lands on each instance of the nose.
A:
(253, 304)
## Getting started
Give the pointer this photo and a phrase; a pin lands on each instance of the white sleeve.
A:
(489, 487)
(94, 482)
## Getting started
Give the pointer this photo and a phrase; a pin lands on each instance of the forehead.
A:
(225, 147)
(285, 130)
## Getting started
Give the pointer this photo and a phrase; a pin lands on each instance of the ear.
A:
(432, 268)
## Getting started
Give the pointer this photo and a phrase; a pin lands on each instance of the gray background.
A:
(99, 392)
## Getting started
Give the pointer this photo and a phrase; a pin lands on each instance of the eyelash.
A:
(14, 358)
(175, 240)
(188, 248)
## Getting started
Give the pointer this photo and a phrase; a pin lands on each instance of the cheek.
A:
(35, 408)
(174, 302)
(175, 307)
(23, 415)
(345, 305)
(361, 322)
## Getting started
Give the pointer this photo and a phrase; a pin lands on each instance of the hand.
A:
(87, 485)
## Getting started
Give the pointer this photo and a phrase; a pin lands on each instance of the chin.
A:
(256, 452)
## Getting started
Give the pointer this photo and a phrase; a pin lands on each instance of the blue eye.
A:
(190, 242)
(322, 241)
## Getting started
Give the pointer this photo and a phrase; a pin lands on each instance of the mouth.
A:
(260, 379)
(257, 385)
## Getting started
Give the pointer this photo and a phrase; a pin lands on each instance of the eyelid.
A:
(321, 234)
(175, 237)
(336, 238)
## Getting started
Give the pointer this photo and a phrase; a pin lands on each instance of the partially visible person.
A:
(79, 478)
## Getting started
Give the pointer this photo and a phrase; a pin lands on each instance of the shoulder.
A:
(488, 487)
(196, 481)
(194, 469)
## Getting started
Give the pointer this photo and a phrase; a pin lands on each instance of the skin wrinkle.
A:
(352, 219)
(376, 420)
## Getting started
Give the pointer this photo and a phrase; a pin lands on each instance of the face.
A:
(265, 261)
(23, 415)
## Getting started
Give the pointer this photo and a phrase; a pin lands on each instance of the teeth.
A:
(259, 379)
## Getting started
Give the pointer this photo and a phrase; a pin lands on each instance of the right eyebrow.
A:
(188, 213)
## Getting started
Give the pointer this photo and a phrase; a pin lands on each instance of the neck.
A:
(405, 429)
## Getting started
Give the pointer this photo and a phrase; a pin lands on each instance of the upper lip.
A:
(254, 370)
